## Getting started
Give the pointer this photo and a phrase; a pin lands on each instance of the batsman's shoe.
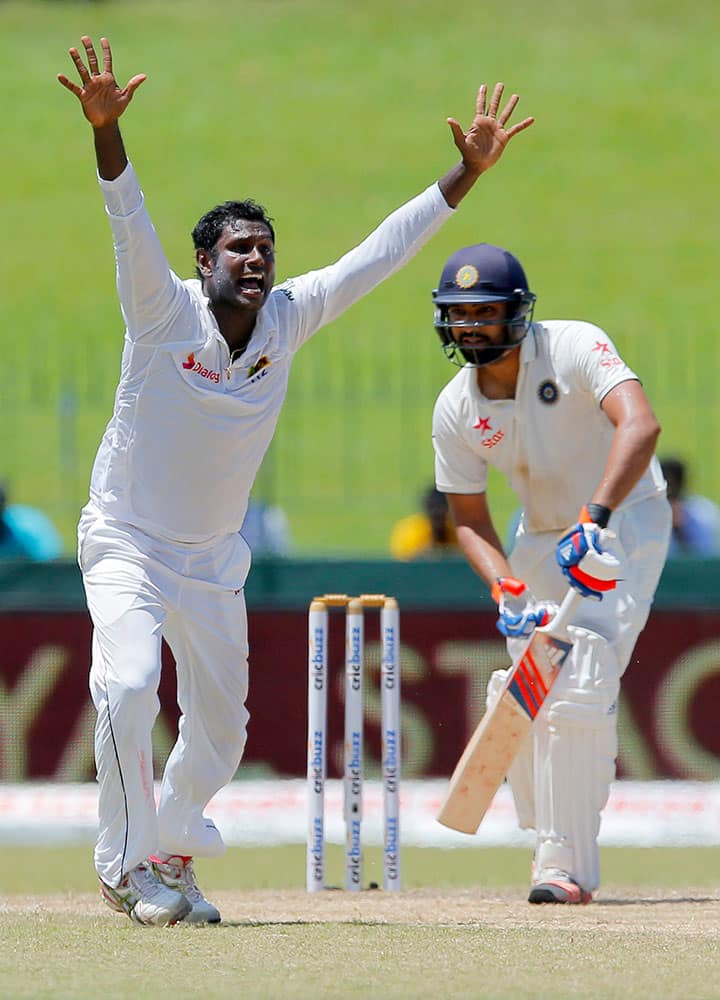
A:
(177, 873)
(145, 899)
(557, 888)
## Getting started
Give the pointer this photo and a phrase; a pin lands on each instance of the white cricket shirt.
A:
(189, 429)
(552, 441)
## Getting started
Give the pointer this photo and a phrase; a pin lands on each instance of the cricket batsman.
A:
(204, 374)
(556, 410)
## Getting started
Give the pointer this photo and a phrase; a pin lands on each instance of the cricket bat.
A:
(498, 736)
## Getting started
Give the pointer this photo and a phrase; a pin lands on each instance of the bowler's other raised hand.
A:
(102, 100)
(484, 142)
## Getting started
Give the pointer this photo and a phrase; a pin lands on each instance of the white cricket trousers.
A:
(139, 590)
(561, 778)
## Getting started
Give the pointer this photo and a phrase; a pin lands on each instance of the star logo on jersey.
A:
(607, 358)
(483, 425)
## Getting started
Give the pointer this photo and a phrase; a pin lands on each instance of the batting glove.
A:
(519, 613)
(588, 567)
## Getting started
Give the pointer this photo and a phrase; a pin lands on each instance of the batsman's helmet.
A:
(482, 273)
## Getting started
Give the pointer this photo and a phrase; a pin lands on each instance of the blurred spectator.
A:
(696, 519)
(26, 533)
(266, 529)
(426, 534)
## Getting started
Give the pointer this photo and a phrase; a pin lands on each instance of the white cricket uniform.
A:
(552, 442)
(159, 543)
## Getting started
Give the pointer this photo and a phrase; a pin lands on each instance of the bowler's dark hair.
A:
(209, 228)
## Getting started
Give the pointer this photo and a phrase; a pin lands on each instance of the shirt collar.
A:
(529, 346)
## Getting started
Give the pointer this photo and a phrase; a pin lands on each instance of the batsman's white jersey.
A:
(552, 443)
(159, 546)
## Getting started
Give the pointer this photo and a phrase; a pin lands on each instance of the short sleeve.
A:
(458, 469)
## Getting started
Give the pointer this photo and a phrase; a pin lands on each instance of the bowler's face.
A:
(241, 266)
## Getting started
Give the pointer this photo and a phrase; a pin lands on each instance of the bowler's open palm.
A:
(102, 100)
(483, 144)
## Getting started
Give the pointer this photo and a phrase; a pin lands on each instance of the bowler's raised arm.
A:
(483, 144)
(102, 102)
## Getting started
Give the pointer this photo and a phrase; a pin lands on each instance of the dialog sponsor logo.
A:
(193, 366)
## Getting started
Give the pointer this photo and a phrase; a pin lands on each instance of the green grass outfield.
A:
(332, 113)
(460, 928)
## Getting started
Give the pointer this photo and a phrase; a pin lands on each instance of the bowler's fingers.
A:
(91, 56)
(520, 127)
(495, 99)
(81, 67)
(134, 83)
(458, 132)
(508, 109)
(107, 55)
(481, 99)
(69, 85)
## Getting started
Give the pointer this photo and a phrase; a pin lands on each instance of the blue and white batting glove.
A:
(519, 612)
(588, 567)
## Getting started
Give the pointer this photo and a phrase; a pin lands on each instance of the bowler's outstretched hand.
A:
(102, 100)
(484, 142)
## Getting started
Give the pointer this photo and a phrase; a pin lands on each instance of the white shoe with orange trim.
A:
(176, 872)
(145, 899)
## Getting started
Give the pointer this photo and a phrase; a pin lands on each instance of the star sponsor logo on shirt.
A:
(196, 368)
(608, 358)
(483, 424)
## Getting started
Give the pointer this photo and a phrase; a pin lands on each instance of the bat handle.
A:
(558, 625)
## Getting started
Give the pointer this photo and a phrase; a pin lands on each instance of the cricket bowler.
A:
(204, 374)
(556, 410)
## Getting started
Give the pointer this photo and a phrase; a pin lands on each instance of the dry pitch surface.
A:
(420, 944)
(694, 912)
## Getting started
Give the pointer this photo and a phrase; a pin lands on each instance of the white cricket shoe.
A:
(145, 899)
(177, 873)
(554, 886)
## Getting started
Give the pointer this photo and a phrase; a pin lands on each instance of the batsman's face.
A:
(240, 270)
(477, 324)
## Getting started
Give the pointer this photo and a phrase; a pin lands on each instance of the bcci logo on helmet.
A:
(467, 276)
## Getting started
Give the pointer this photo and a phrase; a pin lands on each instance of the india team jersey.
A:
(552, 441)
(190, 424)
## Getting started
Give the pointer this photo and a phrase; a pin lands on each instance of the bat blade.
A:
(496, 740)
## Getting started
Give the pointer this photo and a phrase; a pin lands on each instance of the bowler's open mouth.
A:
(252, 284)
